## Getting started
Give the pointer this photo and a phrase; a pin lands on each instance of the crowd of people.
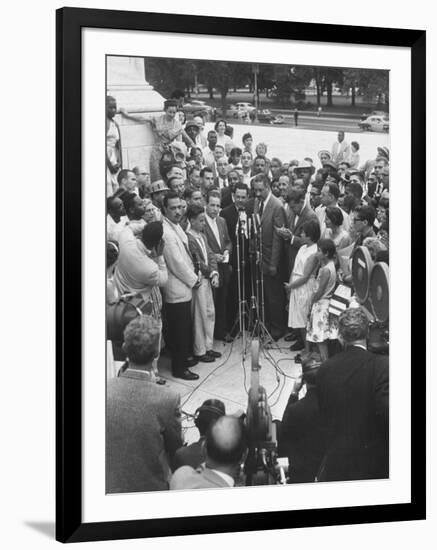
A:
(179, 242)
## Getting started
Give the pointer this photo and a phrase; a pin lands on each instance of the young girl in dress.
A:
(302, 283)
(321, 325)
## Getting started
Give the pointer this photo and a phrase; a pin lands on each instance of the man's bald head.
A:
(226, 441)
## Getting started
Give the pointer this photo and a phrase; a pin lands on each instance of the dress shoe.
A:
(192, 362)
(213, 353)
(277, 335)
(292, 335)
(187, 375)
(297, 346)
(205, 358)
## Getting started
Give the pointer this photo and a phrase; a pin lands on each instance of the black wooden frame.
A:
(70, 21)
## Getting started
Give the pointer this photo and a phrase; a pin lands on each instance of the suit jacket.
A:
(180, 268)
(226, 197)
(187, 477)
(340, 151)
(191, 455)
(293, 248)
(352, 389)
(197, 254)
(301, 437)
(220, 247)
(143, 432)
(375, 189)
(273, 215)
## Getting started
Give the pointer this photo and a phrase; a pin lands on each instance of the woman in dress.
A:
(302, 282)
(166, 129)
(334, 230)
(222, 139)
(321, 325)
(113, 147)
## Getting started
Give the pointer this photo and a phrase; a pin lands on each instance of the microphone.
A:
(255, 223)
(242, 216)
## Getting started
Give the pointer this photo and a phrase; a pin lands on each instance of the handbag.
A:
(120, 313)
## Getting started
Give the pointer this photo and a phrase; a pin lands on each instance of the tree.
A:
(290, 82)
(166, 75)
(351, 81)
(372, 84)
(223, 76)
(331, 76)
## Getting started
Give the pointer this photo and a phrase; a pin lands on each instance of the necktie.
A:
(261, 208)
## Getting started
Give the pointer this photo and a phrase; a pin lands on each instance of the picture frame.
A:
(70, 22)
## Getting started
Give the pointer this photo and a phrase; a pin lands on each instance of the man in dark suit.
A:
(227, 192)
(272, 215)
(143, 425)
(298, 214)
(301, 433)
(352, 389)
(232, 214)
(217, 236)
(225, 449)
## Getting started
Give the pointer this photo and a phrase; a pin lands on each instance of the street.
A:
(311, 121)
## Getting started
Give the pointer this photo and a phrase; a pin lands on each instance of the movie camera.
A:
(262, 465)
(371, 283)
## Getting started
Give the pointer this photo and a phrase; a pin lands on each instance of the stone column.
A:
(126, 81)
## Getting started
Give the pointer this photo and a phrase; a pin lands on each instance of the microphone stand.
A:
(243, 314)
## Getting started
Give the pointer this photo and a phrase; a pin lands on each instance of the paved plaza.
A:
(296, 143)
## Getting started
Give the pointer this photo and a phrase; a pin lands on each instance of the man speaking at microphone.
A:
(271, 215)
(237, 214)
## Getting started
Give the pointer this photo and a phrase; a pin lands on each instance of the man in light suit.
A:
(298, 213)
(143, 420)
(341, 150)
(225, 449)
(217, 236)
(329, 197)
(272, 216)
(178, 290)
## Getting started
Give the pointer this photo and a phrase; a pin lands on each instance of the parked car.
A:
(243, 105)
(374, 113)
(198, 107)
(264, 115)
(375, 124)
(278, 119)
(232, 111)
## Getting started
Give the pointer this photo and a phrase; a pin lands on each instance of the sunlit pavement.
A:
(297, 143)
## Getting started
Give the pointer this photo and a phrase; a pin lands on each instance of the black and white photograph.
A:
(247, 273)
